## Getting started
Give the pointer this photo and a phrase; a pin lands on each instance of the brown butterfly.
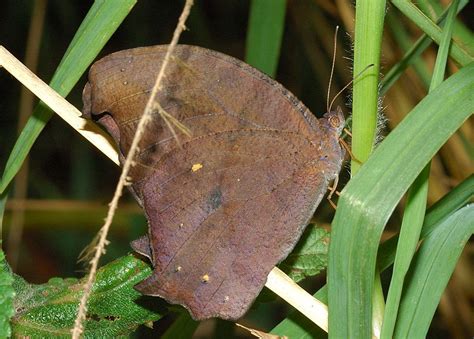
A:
(228, 202)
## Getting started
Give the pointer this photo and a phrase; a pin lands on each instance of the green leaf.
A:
(102, 20)
(459, 53)
(298, 326)
(430, 273)
(416, 201)
(462, 33)
(367, 50)
(413, 54)
(265, 31)
(6, 297)
(309, 256)
(115, 308)
(369, 24)
(369, 199)
(455, 199)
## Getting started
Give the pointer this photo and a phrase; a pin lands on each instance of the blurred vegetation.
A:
(68, 183)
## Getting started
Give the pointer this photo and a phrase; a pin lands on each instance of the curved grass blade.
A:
(457, 52)
(416, 200)
(430, 273)
(298, 326)
(101, 22)
(412, 54)
(370, 197)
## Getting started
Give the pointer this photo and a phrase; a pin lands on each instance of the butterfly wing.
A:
(232, 200)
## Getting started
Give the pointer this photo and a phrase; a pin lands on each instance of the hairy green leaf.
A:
(6, 297)
(115, 308)
(309, 256)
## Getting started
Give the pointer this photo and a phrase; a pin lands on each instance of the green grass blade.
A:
(457, 52)
(298, 326)
(444, 47)
(432, 268)
(412, 54)
(408, 240)
(451, 202)
(264, 34)
(101, 22)
(457, 197)
(416, 201)
(183, 327)
(3, 203)
(367, 50)
(460, 31)
(368, 200)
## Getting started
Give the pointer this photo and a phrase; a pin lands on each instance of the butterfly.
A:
(229, 200)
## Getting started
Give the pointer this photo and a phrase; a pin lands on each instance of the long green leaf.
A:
(367, 50)
(370, 197)
(461, 31)
(412, 54)
(430, 273)
(369, 23)
(299, 327)
(416, 200)
(102, 20)
(457, 52)
(265, 31)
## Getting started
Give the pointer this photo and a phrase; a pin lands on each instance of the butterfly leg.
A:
(347, 148)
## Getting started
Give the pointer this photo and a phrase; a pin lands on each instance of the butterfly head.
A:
(331, 153)
(334, 121)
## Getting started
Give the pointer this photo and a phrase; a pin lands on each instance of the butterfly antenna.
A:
(332, 68)
(350, 82)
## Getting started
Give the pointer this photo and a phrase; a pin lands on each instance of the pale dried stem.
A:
(146, 117)
(88, 129)
(292, 293)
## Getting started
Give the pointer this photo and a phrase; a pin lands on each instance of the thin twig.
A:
(146, 117)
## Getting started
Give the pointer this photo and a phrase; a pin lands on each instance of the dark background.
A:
(75, 182)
